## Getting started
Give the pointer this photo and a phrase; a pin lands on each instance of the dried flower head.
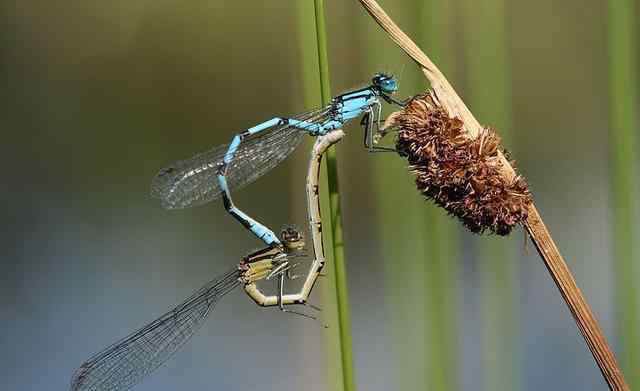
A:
(460, 174)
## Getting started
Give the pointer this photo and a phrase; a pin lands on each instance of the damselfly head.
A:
(386, 84)
(292, 238)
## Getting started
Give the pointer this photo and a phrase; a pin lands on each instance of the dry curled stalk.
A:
(456, 109)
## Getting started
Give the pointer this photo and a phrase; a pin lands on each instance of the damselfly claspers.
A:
(257, 150)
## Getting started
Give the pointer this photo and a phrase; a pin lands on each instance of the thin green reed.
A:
(623, 94)
(401, 224)
(487, 75)
(344, 317)
(308, 54)
(440, 276)
(312, 97)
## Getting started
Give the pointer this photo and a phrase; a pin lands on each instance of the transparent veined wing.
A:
(194, 181)
(128, 361)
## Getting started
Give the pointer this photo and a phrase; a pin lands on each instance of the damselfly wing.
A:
(128, 361)
(194, 182)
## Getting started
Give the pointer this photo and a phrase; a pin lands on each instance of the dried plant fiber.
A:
(462, 175)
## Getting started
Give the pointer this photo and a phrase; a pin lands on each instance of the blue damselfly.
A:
(254, 152)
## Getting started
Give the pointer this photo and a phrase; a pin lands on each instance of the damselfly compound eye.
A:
(385, 83)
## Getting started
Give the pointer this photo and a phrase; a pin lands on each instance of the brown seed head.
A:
(460, 174)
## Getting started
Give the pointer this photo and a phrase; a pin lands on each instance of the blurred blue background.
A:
(100, 95)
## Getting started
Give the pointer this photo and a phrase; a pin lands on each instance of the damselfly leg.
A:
(274, 262)
(371, 120)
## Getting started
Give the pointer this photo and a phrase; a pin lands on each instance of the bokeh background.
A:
(97, 96)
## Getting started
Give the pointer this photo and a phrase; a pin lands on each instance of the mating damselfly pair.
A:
(213, 174)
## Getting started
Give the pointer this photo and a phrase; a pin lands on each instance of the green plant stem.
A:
(309, 69)
(308, 56)
(488, 75)
(623, 95)
(344, 318)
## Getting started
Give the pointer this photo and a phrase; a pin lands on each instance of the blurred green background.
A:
(99, 95)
